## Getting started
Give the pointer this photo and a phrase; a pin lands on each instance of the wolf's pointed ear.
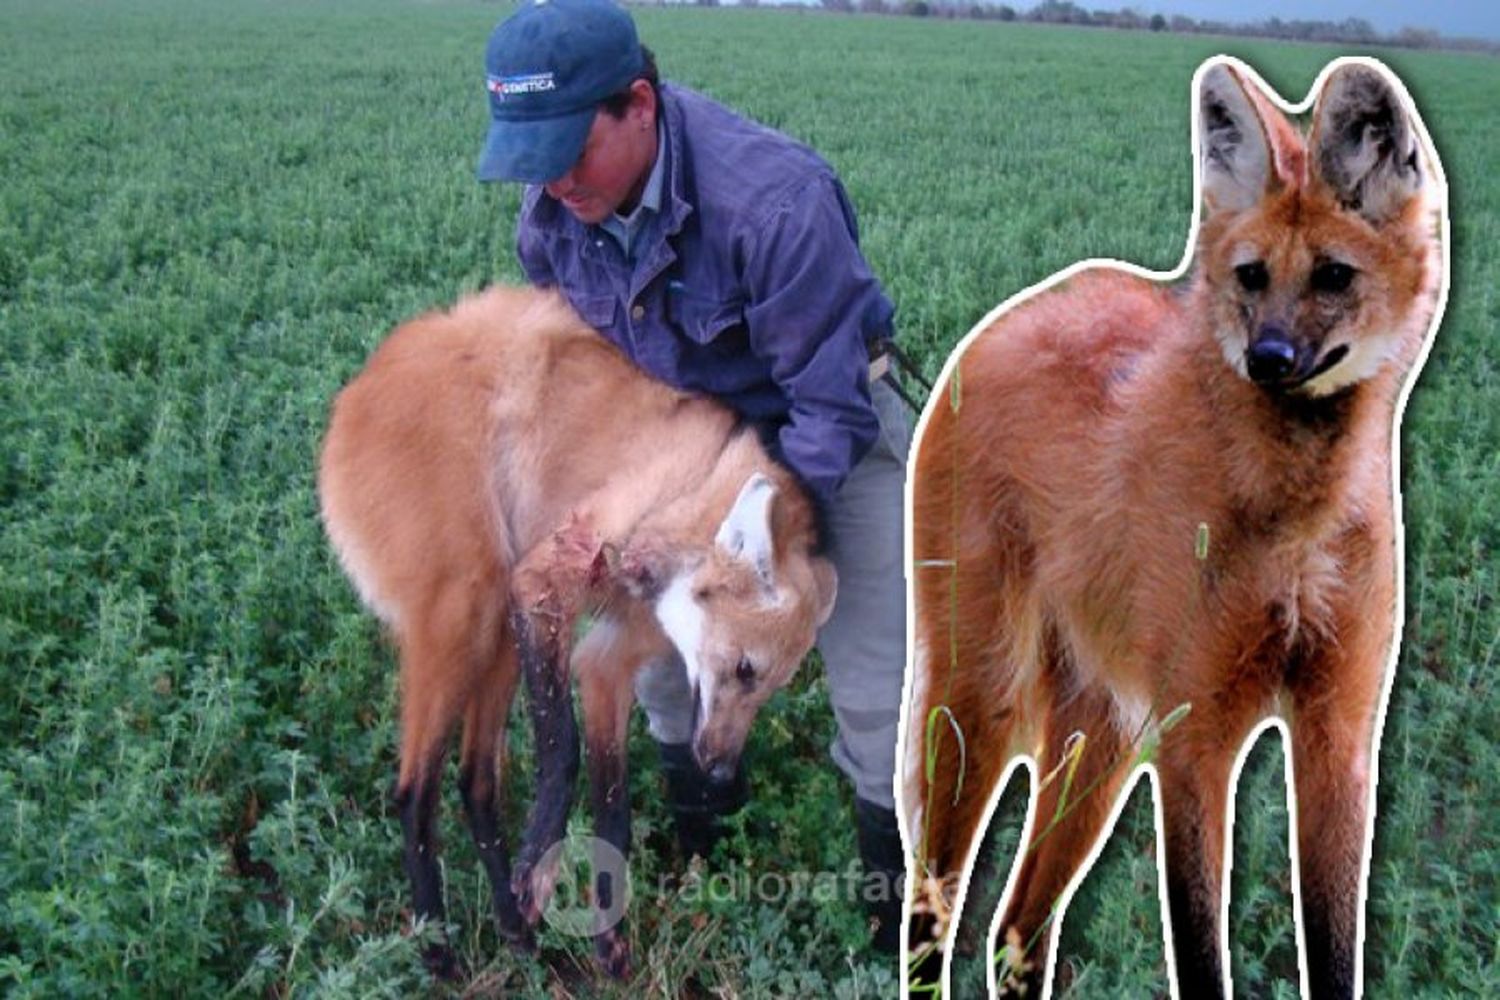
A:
(1237, 167)
(746, 531)
(1364, 147)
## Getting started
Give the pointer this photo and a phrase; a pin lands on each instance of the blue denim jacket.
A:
(748, 285)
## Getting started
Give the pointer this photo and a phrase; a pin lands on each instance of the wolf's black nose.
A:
(1271, 358)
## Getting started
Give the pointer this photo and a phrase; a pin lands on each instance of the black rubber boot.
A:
(699, 803)
(885, 872)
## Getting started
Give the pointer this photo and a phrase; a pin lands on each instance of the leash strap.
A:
(883, 352)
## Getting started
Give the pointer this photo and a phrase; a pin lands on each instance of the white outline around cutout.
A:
(1439, 206)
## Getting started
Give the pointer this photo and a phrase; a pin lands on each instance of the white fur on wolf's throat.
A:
(682, 619)
(1366, 357)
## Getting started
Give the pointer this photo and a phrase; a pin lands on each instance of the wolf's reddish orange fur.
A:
(495, 471)
(1057, 509)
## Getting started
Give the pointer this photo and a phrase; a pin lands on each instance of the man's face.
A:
(616, 161)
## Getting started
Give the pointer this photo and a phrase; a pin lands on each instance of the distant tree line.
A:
(1349, 31)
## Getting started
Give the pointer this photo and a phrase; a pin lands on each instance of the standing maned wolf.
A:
(1150, 514)
(493, 473)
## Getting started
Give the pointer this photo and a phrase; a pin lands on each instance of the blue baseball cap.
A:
(548, 66)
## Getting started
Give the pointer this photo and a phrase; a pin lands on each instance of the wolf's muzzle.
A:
(1271, 359)
(1274, 362)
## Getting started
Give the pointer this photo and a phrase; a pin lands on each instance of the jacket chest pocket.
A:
(707, 322)
(598, 311)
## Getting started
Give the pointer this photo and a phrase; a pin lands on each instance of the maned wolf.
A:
(493, 473)
(1133, 500)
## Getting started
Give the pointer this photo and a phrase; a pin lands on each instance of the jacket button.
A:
(637, 311)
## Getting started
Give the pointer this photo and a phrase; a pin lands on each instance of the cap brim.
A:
(534, 151)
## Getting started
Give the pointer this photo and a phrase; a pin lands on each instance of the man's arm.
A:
(530, 250)
(813, 305)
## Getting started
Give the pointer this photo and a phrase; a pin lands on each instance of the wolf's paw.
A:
(517, 934)
(1019, 973)
(613, 952)
(533, 885)
(442, 963)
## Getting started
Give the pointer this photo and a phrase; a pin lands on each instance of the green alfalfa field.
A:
(212, 212)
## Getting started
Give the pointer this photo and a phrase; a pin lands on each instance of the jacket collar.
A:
(678, 208)
(656, 253)
(549, 216)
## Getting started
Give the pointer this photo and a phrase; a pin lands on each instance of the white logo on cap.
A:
(525, 83)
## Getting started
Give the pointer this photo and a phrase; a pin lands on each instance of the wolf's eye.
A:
(1331, 277)
(1253, 276)
(744, 671)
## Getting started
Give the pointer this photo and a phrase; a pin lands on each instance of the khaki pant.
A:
(863, 643)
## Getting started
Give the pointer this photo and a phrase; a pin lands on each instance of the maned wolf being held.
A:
(498, 470)
(1148, 517)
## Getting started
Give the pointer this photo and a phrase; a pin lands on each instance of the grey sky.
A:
(1458, 18)
(1454, 18)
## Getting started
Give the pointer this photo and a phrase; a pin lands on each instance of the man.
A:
(722, 257)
